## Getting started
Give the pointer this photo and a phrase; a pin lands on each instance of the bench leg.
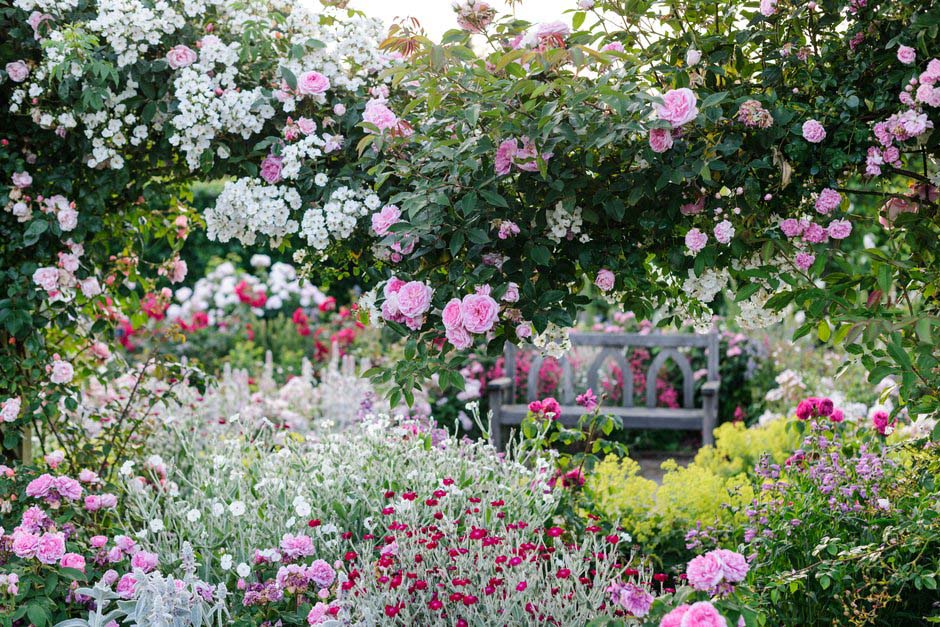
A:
(710, 420)
(496, 426)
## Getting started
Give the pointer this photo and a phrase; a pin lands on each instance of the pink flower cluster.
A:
(631, 597)
(716, 568)
(524, 157)
(473, 314)
(406, 303)
(384, 219)
(818, 407)
(378, 114)
(54, 489)
(474, 15)
(813, 233)
(546, 408)
(59, 281)
(882, 422)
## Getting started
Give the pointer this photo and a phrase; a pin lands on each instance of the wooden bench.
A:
(505, 413)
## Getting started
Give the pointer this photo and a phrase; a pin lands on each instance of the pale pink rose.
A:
(828, 200)
(459, 337)
(511, 294)
(73, 560)
(674, 618)
(813, 131)
(523, 330)
(25, 544)
(54, 458)
(10, 409)
(101, 351)
(703, 614)
(678, 107)
(181, 56)
(312, 83)
(90, 287)
(839, 229)
(660, 139)
(296, 546)
(178, 271)
(504, 155)
(88, 476)
(733, 565)
(768, 7)
(704, 572)
(724, 231)
(378, 114)
(51, 547)
(47, 278)
(68, 262)
(306, 125)
(271, 169)
(339, 109)
(383, 220)
(22, 180)
(452, 314)
(480, 312)
(614, 46)
(98, 542)
(62, 372)
(605, 280)
(414, 299)
(17, 71)
(68, 219)
(695, 240)
(906, 55)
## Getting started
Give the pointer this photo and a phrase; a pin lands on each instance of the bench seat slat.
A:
(633, 417)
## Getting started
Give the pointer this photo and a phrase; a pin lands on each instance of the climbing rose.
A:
(660, 139)
(380, 115)
(704, 571)
(180, 56)
(839, 229)
(828, 200)
(724, 231)
(10, 409)
(22, 180)
(271, 169)
(62, 372)
(605, 280)
(452, 314)
(459, 337)
(768, 7)
(813, 131)
(480, 312)
(414, 298)
(383, 220)
(906, 55)
(312, 83)
(47, 278)
(678, 107)
(703, 614)
(695, 240)
(17, 71)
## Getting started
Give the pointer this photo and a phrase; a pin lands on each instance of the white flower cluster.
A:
(294, 155)
(210, 105)
(113, 128)
(563, 224)
(46, 6)
(132, 27)
(707, 286)
(338, 216)
(247, 207)
(753, 314)
(553, 341)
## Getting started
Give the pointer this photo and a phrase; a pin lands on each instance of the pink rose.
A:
(98, 542)
(828, 200)
(25, 544)
(814, 233)
(61, 372)
(17, 71)
(504, 155)
(312, 83)
(702, 614)
(791, 227)
(804, 260)
(383, 220)
(414, 299)
(768, 7)
(605, 280)
(10, 409)
(480, 312)
(68, 219)
(724, 231)
(306, 125)
(180, 56)
(459, 337)
(90, 287)
(733, 565)
(674, 618)
(906, 55)
(22, 180)
(296, 546)
(692, 208)
(73, 560)
(704, 572)
(378, 114)
(271, 169)
(339, 109)
(695, 240)
(660, 139)
(880, 421)
(678, 107)
(524, 330)
(51, 547)
(511, 294)
(813, 131)
(452, 314)
(839, 229)
(614, 46)
(392, 286)
(126, 586)
(145, 561)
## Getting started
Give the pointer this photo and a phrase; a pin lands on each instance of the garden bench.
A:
(504, 412)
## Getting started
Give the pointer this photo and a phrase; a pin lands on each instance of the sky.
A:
(437, 16)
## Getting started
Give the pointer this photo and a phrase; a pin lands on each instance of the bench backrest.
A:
(615, 347)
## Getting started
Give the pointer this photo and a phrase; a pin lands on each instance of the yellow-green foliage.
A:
(737, 449)
(713, 489)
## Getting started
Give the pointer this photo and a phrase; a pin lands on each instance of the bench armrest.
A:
(710, 388)
(502, 383)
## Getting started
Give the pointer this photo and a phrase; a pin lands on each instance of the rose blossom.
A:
(512, 293)
(321, 573)
(813, 131)
(145, 561)
(90, 287)
(791, 227)
(678, 107)
(695, 240)
(312, 83)
(73, 560)
(126, 586)
(828, 200)
(692, 57)
(504, 154)
(181, 56)
(62, 372)
(906, 55)
(660, 139)
(378, 114)
(524, 330)
(51, 547)
(704, 572)
(724, 231)
(25, 544)
(605, 280)
(10, 409)
(383, 220)
(17, 71)
(733, 565)
(414, 299)
(839, 229)
(768, 7)
(452, 314)
(804, 260)
(703, 614)
(459, 337)
(22, 180)
(480, 312)
(271, 169)
(68, 219)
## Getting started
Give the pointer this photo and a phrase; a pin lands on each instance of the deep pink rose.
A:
(813, 131)
(145, 561)
(804, 260)
(828, 200)
(73, 560)
(312, 83)
(17, 71)
(703, 614)
(480, 312)
(383, 220)
(678, 107)
(674, 618)
(25, 544)
(880, 420)
(51, 547)
(906, 55)
(414, 299)
(126, 586)
(181, 56)
(660, 139)
(733, 565)
(839, 229)
(452, 314)
(271, 169)
(704, 572)
(768, 7)
(791, 227)
(605, 280)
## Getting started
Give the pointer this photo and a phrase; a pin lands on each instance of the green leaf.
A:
(289, 78)
(33, 231)
(823, 331)
(714, 99)
(541, 255)
(38, 614)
